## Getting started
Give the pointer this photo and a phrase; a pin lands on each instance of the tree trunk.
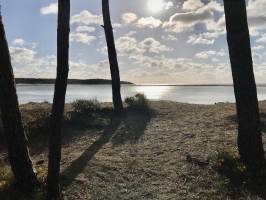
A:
(108, 29)
(53, 179)
(249, 135)
(18, 152)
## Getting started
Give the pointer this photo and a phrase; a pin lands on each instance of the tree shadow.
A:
(240, 179)
(77, 166)
(75, 125)
(233, 118)
(263, 121)
(132, 126)
(129, 127)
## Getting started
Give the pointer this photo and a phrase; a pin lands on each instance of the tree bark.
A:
(108, 29)
(249, 135)
(18, 152)
(53, 178)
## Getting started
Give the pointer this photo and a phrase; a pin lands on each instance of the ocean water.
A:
(187, 94)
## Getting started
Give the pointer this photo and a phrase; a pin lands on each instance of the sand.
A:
(169, 154)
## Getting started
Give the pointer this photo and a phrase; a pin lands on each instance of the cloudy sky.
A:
(158, 41)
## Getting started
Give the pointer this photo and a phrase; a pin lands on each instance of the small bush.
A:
(36, 124)
(230, 165)
(9, 189)
(238, 178)
(5, 175)
(138, 102)
(86, 106)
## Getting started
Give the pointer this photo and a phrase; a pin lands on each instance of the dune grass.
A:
(138, 102)
(83, 106)
(9, 190)
(177, 151)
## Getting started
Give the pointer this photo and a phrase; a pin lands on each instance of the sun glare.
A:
(155, 6)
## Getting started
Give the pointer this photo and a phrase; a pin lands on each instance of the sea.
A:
(103, 93)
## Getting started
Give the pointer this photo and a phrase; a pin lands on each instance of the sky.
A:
(158, 41)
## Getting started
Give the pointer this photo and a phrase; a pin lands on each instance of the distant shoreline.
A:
(108, 82)
(70, 81)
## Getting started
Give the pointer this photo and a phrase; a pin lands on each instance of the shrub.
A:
(138, 102)
(36, 123)
(86, 106)
(9, 189)
(230, 165)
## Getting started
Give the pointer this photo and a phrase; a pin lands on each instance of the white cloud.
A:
(180, 22)
(82, 37)
(27, 63)
(128, 46)
(152, 57)
(169, 37)
(128, 18)
(131, 33)
(192, 4)
(257, 48)
(148, 22)
(117, 25)
(153, 46)
(88, 29)
(21, 55)
(207, 54)
(256, 13)
(87, 18)
(167, 5)
(19, 42)
(262, 38)
(200, 39)
(50, 9)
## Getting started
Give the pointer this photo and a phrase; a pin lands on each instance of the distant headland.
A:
(70, 81)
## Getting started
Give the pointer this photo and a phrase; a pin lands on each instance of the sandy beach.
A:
(169, 153)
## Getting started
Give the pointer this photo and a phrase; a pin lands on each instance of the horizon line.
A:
(149, 84)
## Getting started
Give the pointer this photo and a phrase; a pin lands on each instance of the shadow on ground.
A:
(36, 125)
(233, 119)
(127, 128)
(78, 165)
(238, 179)
(132, 127)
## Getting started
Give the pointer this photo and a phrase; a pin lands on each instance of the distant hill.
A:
(70, 81)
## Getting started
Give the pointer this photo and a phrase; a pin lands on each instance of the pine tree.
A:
(53, 178)
(249, 135)
(18, 152)
(116, 86)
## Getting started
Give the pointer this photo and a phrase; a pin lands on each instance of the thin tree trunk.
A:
(53, 179)
(18, 152)
(249, 135)
(108, 29)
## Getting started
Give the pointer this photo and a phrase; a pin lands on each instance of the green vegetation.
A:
(36, 124)
(5, 175)
(82, 106)
(138, 102)
(8, 189)
(238, 179)
(229, 164)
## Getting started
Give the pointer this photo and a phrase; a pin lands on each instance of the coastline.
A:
(70, 81)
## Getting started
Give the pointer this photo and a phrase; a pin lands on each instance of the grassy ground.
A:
(177, 151)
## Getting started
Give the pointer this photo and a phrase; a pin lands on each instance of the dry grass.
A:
(178, 151)
(8, 189)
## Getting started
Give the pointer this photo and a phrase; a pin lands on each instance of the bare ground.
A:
(167, 154)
